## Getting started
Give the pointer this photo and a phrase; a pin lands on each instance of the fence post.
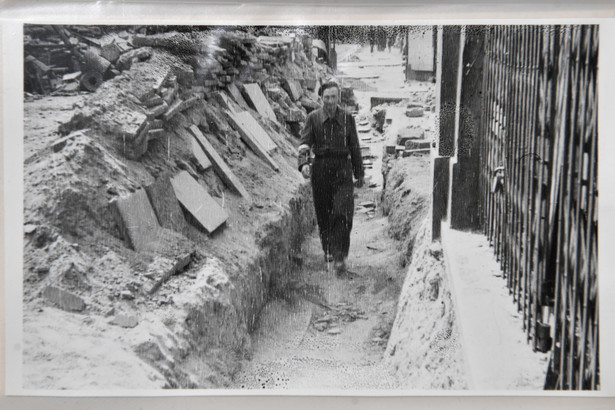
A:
(465, 202)
(447, 73)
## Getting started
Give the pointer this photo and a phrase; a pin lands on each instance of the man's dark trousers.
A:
(332, 188)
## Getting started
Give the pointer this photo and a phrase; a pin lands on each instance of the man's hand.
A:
(306, 171)
(360, 182)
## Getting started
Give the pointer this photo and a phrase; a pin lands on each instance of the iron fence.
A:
(539, 187)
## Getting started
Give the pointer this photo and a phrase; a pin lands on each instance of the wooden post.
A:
(449, 63)
(465, 209)
(447, 72)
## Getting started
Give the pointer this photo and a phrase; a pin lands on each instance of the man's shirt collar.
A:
(338, 116)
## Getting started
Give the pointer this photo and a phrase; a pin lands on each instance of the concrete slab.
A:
(198, 202)
(254, 136)
(200, 156)
(257, 99)
(222, 170)
(137, 221)
(496, 353)
(236, 95)
(252, 127)
(166, 206)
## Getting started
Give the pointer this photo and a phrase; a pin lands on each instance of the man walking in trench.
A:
(330, 132)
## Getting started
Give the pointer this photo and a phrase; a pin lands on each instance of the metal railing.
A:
(539, 187)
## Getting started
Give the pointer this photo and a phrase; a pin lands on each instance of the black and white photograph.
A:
(307, 209)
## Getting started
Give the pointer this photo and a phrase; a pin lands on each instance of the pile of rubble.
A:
(332, 320)
(134, 185)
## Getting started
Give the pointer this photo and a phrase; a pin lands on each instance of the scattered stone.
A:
(435, 250)
(29, 228)
(368, 204)
(320, 326)
(127, 295)
(125, 320)
(414, 112)
(334, 331)
(63, 299)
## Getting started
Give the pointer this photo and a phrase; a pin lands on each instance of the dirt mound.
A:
(192, 328)
(407, 199)
(424, 347)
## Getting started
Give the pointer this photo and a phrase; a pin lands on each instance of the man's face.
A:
(330, 98)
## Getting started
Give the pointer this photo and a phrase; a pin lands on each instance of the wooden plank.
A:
(221, 168)
(259, 102)
(253, 135)
(198, 202)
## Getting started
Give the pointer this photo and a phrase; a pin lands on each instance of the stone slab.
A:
(257, 99)
(63, 299)
(409, 133)
(254, 136)
(200, 156)
(253, 127)
(166, 206)
(137, 220)
(221, 168)
(198, 202)
(236, 95)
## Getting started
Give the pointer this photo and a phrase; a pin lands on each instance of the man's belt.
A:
(332, 154)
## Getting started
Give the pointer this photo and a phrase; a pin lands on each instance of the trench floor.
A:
(329, 333)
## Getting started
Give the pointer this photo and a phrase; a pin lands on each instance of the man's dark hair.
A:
(328, 84)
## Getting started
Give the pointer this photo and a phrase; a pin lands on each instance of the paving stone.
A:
(137, 220)
(198, 202)
(257, 99)
(63, 299)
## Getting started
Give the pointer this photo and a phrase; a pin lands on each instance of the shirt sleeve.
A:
(305, 143)
(355, 148)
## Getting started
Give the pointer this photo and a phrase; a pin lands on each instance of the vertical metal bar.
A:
(570, 271)
(588, 269)
(528, 158)
(558, 168)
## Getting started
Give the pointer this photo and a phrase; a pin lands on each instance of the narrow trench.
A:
(318, 331)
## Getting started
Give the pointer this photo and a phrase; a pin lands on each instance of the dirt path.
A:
(301, 344)
(328, 333)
